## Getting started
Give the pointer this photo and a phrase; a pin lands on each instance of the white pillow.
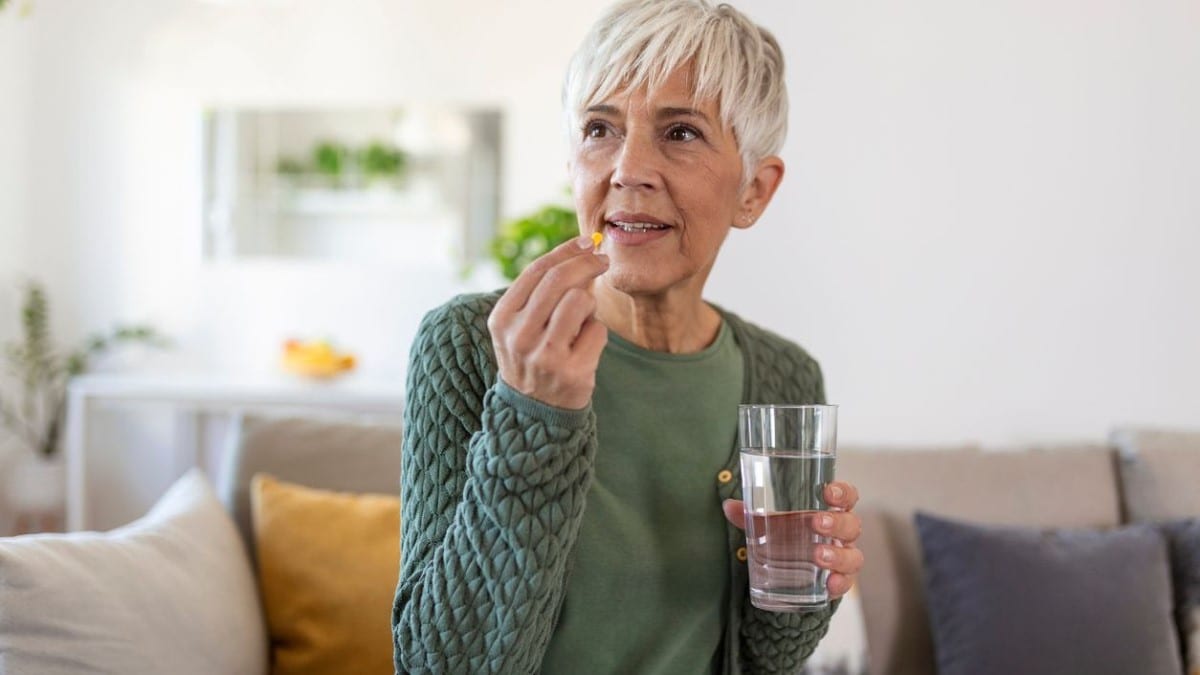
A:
(172, 592)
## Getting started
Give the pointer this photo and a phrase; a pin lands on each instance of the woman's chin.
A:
(634, 281)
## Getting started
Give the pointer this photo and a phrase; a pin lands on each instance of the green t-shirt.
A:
(649, 578)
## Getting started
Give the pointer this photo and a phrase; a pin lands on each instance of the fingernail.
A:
(827, 555)
(837, 492)
(584, 242)
(826, 522)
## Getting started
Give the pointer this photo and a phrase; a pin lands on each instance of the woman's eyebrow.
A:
(672, 111)
(662, 113)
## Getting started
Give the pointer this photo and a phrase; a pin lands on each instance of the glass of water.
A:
(788, 453)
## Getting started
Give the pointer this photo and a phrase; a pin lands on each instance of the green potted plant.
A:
(329, 160)
(523, 239)
(33, 398)
(380, 162)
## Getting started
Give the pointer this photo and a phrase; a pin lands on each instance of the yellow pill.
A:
(597, 238)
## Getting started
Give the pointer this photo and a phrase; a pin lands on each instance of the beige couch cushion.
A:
(1160, 473)
(1065, 487)
(326, 453)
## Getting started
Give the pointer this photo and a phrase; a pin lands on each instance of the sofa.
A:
(1140, 475)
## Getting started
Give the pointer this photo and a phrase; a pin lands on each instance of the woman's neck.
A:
(676, 322)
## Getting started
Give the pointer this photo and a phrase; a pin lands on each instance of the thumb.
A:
(735, 512)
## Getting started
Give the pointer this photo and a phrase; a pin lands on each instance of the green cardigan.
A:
(493, 491)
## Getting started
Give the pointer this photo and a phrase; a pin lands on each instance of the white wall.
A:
(985, 232)
(14, 99)
(990, 224)
(14, 84)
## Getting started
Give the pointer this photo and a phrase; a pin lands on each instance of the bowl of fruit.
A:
(316, 359)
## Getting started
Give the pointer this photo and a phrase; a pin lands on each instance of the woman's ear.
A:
(758, 192)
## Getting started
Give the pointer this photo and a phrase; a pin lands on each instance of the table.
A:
(194, 395)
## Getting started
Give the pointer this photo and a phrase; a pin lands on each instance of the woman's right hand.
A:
(547, 341)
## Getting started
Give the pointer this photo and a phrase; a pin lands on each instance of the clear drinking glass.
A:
(788, 453)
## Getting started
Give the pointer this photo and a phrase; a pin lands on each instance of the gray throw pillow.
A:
(1006, 600)
(1184, 537)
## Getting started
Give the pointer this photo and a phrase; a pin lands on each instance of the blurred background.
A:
(988, 232)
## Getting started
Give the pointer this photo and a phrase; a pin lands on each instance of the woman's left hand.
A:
(842, 558)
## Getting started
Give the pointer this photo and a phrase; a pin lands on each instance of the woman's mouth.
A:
(632, 233)
(636, 227)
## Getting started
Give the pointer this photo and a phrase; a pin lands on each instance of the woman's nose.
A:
(636, 165)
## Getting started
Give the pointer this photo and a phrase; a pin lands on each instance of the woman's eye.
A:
(682, 133)
(595, 130)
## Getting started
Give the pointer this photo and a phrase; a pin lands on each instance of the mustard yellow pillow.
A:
(327, 568)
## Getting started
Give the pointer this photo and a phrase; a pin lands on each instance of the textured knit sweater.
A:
(494, 490)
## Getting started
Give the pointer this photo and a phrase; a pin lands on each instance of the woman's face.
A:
(660, 176)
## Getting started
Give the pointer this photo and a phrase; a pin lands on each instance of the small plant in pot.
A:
(382, 163)
(522, 240)
(329, 160)
(33, 397)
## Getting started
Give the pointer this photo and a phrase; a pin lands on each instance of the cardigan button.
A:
(725, 476)
(741, 554)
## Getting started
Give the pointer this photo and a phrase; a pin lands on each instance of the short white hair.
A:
(639, 43)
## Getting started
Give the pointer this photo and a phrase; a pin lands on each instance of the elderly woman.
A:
(570, 470)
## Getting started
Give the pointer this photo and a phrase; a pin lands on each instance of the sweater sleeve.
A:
(493, 492)
(780, 642)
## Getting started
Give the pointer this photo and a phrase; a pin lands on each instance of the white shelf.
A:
(352, 203)
(351, 392)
